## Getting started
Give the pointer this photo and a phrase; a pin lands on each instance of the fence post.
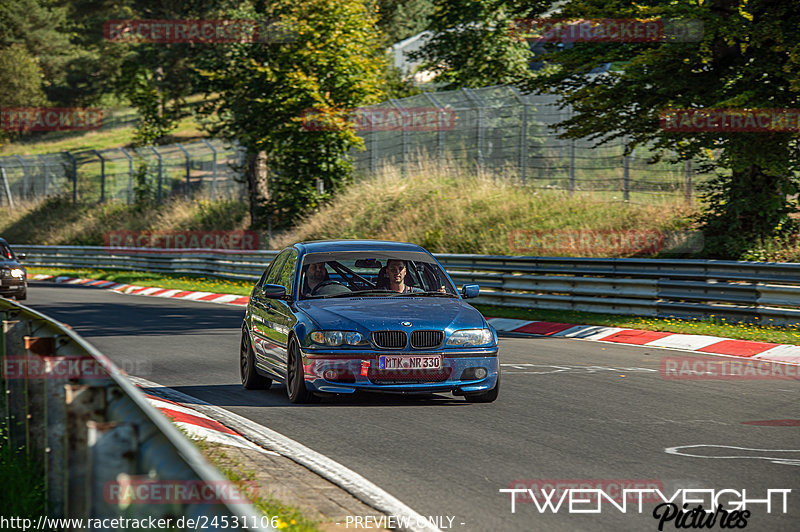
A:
(440, 138)
(626, 174)
(213, 169)
(188, 163)
(403, 114)
(102, 176)
(24, 176)
(479, 109)
(7, 187)
(130, 174)
(74, 176)
(44, 166)
(159, 172)
(523, 136)
(687, 180)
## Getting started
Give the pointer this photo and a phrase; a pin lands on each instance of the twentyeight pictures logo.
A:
(50, 119)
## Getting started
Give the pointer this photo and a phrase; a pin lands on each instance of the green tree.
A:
(746, 58)
(401, 19)
(472, 45)
(323, 57)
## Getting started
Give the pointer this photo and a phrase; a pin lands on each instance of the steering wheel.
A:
(323, 284)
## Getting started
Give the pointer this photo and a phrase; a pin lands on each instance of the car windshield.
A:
(5, 252)
(372, 274)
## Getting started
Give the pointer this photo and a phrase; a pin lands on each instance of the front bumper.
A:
(10, 286)
(338, 372)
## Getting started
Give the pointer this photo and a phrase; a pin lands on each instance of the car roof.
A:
(355, 245)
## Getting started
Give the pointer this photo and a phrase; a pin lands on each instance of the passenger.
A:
(393, 277)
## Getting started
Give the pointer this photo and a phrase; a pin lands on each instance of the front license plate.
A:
(395, 362)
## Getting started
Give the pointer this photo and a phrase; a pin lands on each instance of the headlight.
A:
(335, 338)
(471, 337)
(18, 273)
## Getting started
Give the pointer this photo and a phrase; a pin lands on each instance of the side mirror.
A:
(274, 291)
(469, 291)
(22, 256)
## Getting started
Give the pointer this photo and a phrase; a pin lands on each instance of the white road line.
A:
(355, 484)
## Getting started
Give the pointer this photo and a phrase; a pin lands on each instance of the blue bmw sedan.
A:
(336, 317)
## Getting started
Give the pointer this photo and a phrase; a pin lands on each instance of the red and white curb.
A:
(201, 426)
(708, 345)
(210, 297)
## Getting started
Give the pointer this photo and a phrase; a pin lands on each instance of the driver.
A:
(315, 274)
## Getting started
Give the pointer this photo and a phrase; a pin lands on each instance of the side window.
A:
(275, 268)
(287, 271)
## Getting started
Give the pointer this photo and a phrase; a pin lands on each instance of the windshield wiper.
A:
(435, 293)
(358, 293)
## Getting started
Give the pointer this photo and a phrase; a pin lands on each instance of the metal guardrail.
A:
(750, 291)
(93, 430)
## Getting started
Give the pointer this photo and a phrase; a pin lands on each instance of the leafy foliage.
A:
(326, 59)
(746, 58)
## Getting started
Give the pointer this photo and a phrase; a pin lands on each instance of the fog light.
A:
(473, 374)
(330, 375)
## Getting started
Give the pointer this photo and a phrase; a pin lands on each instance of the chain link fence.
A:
(504, 132)
(207, 169)
(498, 130)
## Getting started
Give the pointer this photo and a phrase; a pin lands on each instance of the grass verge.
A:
(289, 518)
(764, 332)
(22, 490)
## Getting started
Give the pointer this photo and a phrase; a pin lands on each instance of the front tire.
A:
(295, 376)
(251, 380)
(485, 397)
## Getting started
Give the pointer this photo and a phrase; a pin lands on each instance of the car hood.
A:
(374, 313)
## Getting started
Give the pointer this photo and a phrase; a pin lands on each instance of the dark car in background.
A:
(13, 277)
(323, 320)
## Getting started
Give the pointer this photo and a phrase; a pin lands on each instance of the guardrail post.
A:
(15, 375)
(74, 176)
(84, 403)
(188, 169)
(112, 448)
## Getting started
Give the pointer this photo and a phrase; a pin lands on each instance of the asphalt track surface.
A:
(556, 418)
